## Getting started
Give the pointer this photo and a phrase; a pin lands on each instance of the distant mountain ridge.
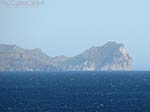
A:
(14, 58)
(111, 56)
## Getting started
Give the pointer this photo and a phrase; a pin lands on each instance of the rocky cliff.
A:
(14, 58)
(111, 56)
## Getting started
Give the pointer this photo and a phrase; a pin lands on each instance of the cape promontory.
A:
(111, 56)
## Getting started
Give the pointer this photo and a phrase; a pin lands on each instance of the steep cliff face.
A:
(111, 56)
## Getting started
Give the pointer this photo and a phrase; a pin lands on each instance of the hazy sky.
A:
(68, 27)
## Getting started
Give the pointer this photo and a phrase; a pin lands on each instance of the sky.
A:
(68, 27)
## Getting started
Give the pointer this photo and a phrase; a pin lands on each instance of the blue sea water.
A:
(75, 91)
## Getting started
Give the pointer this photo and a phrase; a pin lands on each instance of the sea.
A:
(75, 91)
